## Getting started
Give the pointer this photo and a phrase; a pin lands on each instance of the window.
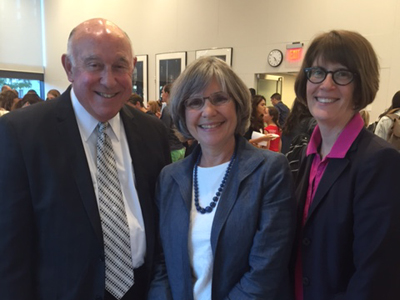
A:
(22, 82)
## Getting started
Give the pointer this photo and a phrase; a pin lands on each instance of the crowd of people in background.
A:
(214, 193)
(10, 100)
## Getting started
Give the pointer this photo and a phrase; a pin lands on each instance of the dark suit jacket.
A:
(251, 235)
(50, 232)
(350, 242)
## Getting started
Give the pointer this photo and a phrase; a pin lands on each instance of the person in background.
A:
(276, 100)
(258, 104)
(31, 91)
(154, 108)
(27, 100)
(5, 88)
(9, 98)
(227, 212)
(299, 122)
(385, 123)
(77, 213)
(271, 118)
(175, 144)
(252, 92)
(52, 94)
(137, 102)
(347, 244)
(2, 110)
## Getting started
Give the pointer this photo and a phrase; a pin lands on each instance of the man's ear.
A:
(67, 64)
(134, 62)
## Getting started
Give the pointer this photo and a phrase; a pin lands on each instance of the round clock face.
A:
(275, 58)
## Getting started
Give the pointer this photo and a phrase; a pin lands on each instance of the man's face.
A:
(164, 96)
(274, 101)
(101, 71)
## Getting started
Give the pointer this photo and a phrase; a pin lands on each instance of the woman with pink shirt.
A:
(347, 244)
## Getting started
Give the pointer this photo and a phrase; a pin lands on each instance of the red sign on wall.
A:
(294, 54)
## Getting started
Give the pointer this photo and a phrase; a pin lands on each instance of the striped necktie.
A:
(117, 249)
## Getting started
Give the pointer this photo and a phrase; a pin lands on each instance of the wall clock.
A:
(275, 58)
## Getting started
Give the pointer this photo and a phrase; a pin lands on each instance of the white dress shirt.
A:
(87, 128)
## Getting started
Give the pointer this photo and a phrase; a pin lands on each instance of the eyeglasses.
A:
(340, 77)
(216, 99)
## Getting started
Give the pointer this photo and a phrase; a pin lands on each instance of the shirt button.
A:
(306, 241)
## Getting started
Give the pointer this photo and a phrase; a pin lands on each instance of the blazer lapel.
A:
(332, 173)
(240, 170)
(72, 143)
(185, 180)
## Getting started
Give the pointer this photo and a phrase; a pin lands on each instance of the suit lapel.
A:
(333, 171)
(72, 144)
(241, 169)
(185, 180)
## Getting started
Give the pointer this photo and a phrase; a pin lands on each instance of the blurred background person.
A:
(5, 88)
(137, 102)
(299, 121)
(226, 211)
(175, 141)
(53, 93)
(276, 100)
(27, 100)
(154, 108)
(385, 122)
(348, 210)
(258, 105)
(271, 119)
(8, 98)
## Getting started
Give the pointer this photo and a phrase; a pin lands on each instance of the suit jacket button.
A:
(306, 281)
(306, 241)
(101, 259)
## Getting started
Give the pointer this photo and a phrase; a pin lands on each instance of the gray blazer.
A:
(251, 235)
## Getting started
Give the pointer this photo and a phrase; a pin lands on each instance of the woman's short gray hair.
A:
(195, 79)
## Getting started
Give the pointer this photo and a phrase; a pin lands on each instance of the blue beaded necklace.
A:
(215, 199)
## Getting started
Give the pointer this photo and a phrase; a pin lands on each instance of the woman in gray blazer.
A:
(227, 214)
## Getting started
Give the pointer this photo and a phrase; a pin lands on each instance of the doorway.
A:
(282, 83)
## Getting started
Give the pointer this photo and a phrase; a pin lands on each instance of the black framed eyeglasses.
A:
(216, 99)
(340, 77)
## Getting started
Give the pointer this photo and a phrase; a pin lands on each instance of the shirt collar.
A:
(87, 123)
(343, 142)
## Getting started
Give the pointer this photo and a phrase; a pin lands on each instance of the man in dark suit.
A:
(276, 100)
(51, 224)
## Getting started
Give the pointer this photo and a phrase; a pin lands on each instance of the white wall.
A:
(21, 36)
(251, 27)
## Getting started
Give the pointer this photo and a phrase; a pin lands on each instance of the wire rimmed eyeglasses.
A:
(216, 99)
(340, 77)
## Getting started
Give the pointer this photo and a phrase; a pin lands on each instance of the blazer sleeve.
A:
(267, 277)
(16, 220)
(376, 245)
